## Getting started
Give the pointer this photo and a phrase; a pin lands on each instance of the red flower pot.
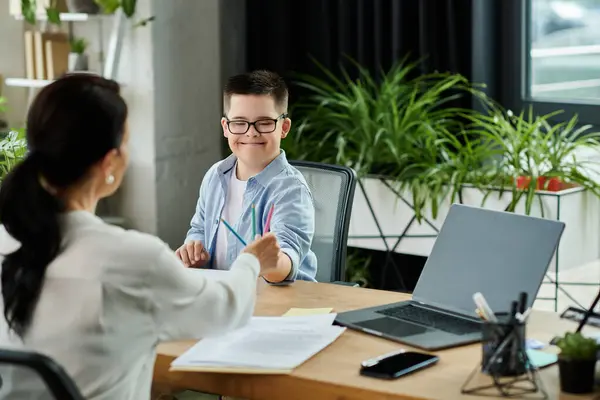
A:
(554, 184)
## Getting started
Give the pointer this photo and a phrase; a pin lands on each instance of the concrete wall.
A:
(187, 79)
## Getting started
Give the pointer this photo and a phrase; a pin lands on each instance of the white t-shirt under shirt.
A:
(231, 214)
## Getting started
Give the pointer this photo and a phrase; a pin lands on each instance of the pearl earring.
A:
(110, 179)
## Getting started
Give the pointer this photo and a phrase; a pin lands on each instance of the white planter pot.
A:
(78, 62)
(580, 211)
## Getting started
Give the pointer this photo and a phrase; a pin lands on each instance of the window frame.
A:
(516, 46)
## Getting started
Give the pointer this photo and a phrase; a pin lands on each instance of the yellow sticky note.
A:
(307, 311)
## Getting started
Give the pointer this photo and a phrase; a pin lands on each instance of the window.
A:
(563, 46)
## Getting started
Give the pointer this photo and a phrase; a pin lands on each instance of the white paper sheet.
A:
(315, 321)
(266, 343)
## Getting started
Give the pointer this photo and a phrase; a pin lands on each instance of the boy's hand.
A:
(266, 249)
(193, 254)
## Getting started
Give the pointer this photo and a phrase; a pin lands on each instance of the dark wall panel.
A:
(283, 34)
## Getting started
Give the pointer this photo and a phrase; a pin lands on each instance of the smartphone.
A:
(395, 365)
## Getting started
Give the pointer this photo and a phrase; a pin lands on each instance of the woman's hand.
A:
(266, 249)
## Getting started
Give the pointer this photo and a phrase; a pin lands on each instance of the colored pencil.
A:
(234, 232)
(253, 222)
(269, 216)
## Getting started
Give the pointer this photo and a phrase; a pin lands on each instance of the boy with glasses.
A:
(238, 194)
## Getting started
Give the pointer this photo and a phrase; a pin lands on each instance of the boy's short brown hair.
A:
(259, 82)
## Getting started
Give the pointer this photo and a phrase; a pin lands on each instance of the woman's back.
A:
(109, 297)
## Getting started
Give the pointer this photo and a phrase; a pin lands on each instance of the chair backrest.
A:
(332, 188)
(41, 373)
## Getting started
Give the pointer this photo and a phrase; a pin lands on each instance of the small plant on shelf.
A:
(577, 362)
(78, 45)
(78, 60)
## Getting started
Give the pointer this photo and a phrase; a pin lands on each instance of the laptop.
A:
(497, 253)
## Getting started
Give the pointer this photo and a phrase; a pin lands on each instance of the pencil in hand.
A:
(234, 232)
(269, 216)
(253, 222)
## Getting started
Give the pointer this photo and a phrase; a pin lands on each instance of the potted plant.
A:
(78, 60)
(533, 149)
(399, 126)
(577, 363)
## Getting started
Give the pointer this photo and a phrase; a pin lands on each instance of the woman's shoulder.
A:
(98, 236)
(131, 241)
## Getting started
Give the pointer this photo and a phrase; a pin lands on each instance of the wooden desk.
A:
(333, 373)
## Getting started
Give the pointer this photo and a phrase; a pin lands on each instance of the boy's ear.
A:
(285, 127)
(224, 126)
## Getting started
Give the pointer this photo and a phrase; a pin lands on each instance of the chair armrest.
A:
(353, 284)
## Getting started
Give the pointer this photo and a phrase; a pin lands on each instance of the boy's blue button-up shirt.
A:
(293, 220)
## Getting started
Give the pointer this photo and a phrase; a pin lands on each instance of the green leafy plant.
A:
(128, 7)
(2, 104)
(575, 346)
(110, 6)
(78, 45)
(13, 148)
(533, 153)
(395, 125)
(29, 10)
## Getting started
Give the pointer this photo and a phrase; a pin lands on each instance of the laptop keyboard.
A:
(432, 319)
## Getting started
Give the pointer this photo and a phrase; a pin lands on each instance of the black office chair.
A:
(55, 379)
(333, 188)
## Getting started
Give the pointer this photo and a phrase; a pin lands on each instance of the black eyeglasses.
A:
(265, 125)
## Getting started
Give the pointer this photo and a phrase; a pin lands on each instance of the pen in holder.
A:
(503, 347)
(504, 360)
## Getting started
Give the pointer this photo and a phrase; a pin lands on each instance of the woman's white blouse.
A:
(110, 297)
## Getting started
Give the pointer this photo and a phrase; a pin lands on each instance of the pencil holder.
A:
(503, 346)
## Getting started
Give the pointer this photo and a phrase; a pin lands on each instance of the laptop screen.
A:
(499, 254)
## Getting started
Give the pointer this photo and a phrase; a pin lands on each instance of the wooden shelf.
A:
(27, 83)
